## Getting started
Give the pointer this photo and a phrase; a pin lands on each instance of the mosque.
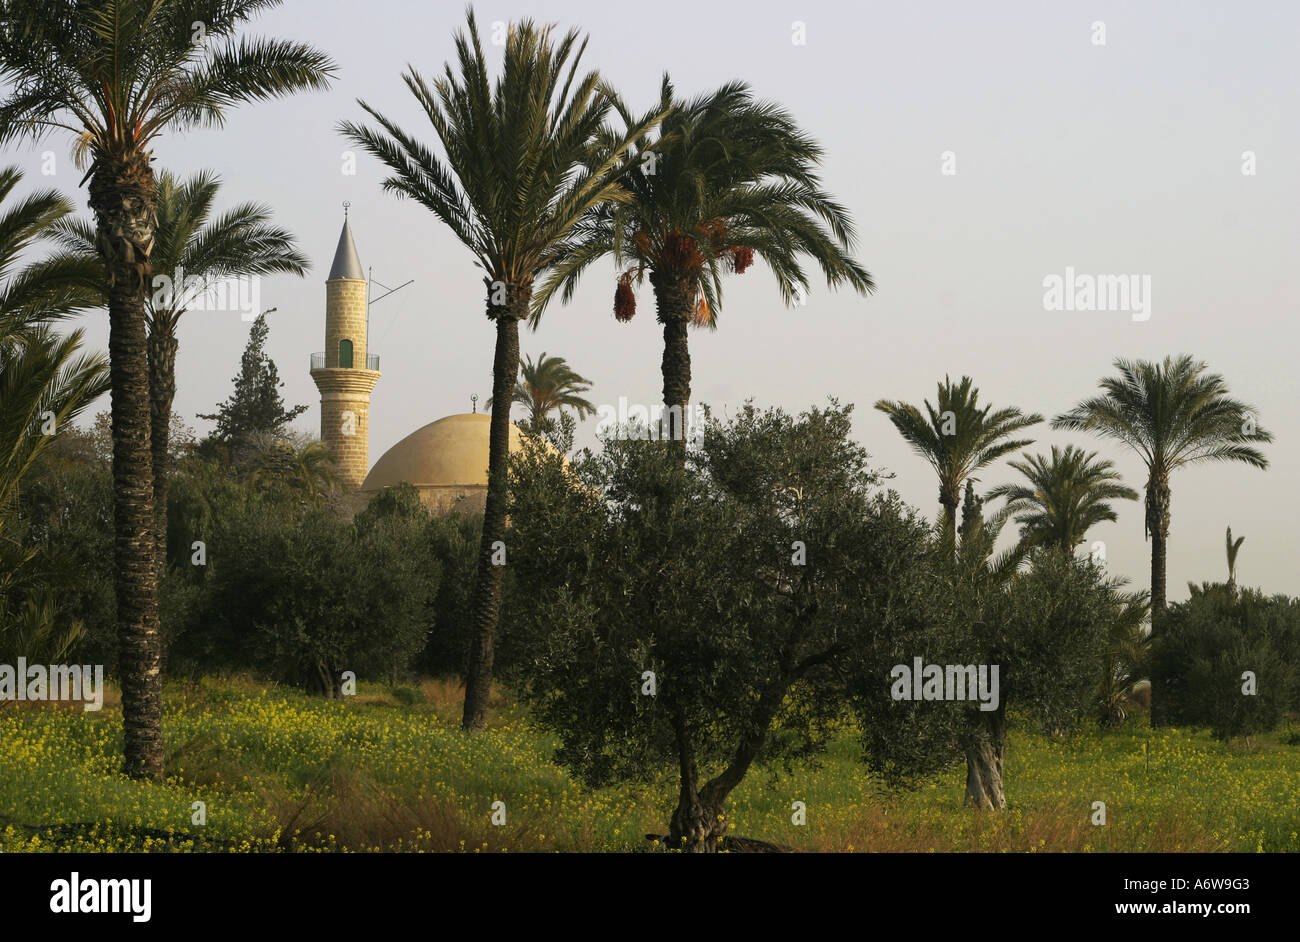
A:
(446, 461)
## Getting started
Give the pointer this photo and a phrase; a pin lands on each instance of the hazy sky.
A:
(1122, 158)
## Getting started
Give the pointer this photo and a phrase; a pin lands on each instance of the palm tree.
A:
(1171, 414)
(522, 165)
(728, 179)
(305, 468)
(1233, 548)
(45, 382)
(193, 250)
(957, 438)
(1126, 663)
(116, 74)
(547, 386)
(45, 290)
(1067, 494)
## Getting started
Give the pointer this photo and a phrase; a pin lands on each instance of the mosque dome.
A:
(446, 461)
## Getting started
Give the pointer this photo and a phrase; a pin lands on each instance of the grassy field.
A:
(389, 769)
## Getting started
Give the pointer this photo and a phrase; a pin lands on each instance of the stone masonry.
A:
(345, 392)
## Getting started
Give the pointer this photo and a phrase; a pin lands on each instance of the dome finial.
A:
(347, 204)
(474, 402)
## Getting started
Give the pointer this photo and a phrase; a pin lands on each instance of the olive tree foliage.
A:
(303, 599)
(450, 542)
(704, 619)
(1040, 618)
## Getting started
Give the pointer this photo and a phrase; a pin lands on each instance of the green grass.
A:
(390, 770)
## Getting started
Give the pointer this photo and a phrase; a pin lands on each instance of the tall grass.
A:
(390, 770)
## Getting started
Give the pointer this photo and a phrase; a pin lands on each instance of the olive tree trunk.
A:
(123, 196)
(984, 751)
(486, 600)
(698, 825)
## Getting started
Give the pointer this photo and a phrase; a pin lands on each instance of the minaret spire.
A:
(347, 264)
(346, 373)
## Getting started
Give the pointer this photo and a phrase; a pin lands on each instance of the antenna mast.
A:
(370, 279)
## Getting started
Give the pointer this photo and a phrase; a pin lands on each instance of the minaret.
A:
(345, 373)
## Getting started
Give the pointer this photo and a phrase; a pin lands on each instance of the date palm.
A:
(1126, 663)
(730, 178)
(958, 437)
(523, 161)
(1067, 494)
(547, 386)
(117, 74)
(44, 290)
(306, 468)
(1172, 414)
(191, 249)
(45, 382)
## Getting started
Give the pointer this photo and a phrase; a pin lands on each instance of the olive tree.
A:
(705, 618)
(998, 638)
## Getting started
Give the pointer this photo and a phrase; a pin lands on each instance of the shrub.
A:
(306, 600)
(452, 541)
(1209, 642)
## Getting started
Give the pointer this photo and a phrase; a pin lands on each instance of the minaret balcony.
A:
(318, 362)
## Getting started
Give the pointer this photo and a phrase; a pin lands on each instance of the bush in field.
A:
(1211, 641)
(453, 542)
(229, 604)
(302, 601)
(65, 510)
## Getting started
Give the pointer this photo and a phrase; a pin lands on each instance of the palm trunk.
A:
(162, 392)
(1158, 529)
(486, 600)
(123, 196)
(948, 513)
(675, 300)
